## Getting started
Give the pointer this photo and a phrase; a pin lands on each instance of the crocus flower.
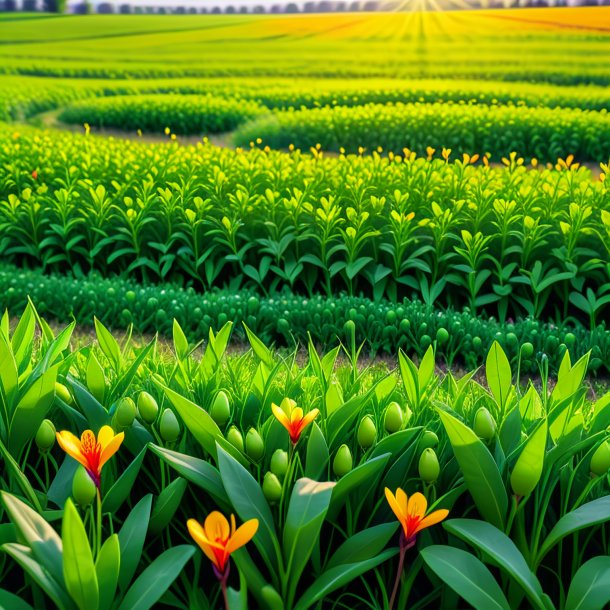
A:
(411, 513)
(92, 453)
(292, 418)
(34, 174)
(217, 539)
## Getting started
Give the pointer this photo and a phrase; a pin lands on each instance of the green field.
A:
(305, 311)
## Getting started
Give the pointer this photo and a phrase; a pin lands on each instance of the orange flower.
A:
(217, 539)
(92, 453)
(411, 513)
(292, 418)
(34, 174)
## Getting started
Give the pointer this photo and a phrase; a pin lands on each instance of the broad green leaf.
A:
(260, 349)
(498, 373)
(9, 601)
(95, 378)
(528, 467)
(122, 487)
(589, 589)
(107, 567)
(249, 502)
(108, 344)
(20, 478)
(79, 570)
(306, 511)
(589, 514)
(466, 575)
(157, 578)
(181, 344)
(496, 545)
(9, 375)
(197, 471)
(167, 504)
(317, 456)
(364, 545)
(131, 540)
(481, 474)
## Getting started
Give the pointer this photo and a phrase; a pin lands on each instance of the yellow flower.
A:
(430, 152)
(217, 539)
(92, 453)
(446, 153)
(292, 418)
(411, 513)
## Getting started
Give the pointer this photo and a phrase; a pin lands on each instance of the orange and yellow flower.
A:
(411, 513)
(217, 539)
(90, 451)
(292, 418)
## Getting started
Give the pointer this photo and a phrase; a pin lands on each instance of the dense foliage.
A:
(521, 470)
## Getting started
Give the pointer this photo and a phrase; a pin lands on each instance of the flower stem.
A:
(401, 562)
(223, 586)
(98, 537)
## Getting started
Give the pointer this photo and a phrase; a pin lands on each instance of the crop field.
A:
(305, 311)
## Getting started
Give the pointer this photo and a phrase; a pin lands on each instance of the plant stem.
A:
(98, 537)
(223, 586)
(401, 561)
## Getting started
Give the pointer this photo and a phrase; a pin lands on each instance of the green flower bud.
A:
(279, 462)
(272, 488)
(83, 487)
(367, 432)
(62, 392)
(255, 447)
(221, 410)
(169, 426)
(393, 417)
(147, 407)
(343, 462)
(484, 424)
(428, 440)
(428, 467)
(442, 336)
(235, 438)
(527, 350)
(45, 436)
(125, 412)
(600, 460)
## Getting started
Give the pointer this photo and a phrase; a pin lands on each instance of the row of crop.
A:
(22, 97)
(182, 114)
(285, 319)
(509, 240)
(465, 128)
(120, 461)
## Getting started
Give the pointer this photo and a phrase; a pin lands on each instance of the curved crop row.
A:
(182, 114)
(535, 132)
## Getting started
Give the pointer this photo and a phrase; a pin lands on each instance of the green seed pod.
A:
(442, 336)
(255, 447)
(272, 488)
(125, 412)
(484, 424)
(527, 350)
(279, 462)
(221, 409)
(367, 432)
(569, 339)
(236, 439)
(428, 440)
(600, 460)
(343, 462)
(147, 407)
(62, 392)
(428, 467)
(83, 487)
(45, 436)
(477, 343)
(169, 426)
(393, 417)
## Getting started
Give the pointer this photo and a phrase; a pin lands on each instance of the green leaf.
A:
(498, 373)
(528, 467)
(589, 514)
(122, 487)
(196, 471)
(466, 575)
(181, 344)
(481, 474)
(317, 453)
(167, 504)
(364, 545)
(306, 511)
(338, 577)
(9, 375)
(107, 567)
(20, 478)
(108, 344)
(496, 545)
(131, 540)
(79, 570)
(589, 589)
(249, 501)
(95, 379)
(157, 578)
(260, 349)
(10, 601)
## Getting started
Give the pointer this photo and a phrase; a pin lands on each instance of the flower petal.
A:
(71, 445)
(297, 415)
(281, 416)
(104, 436)
(401, 498)
(417, 505)
(217, 527)
(394, 505)
(432, 519)
(198, 534)
(111, 448)
(243, 535)
(310, 417)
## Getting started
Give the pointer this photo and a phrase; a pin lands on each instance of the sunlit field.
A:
(305, 311)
